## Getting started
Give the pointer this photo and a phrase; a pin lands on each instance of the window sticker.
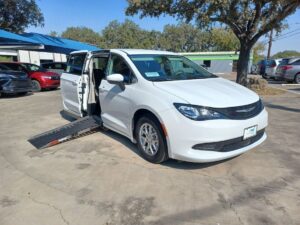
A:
(152, 74)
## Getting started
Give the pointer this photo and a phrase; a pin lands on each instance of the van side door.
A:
(116, 99)
(71, 83)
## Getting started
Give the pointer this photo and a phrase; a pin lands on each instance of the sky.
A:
(96, 14)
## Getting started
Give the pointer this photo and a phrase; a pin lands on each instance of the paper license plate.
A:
(250, 132)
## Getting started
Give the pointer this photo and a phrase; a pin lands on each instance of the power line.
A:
(287, 36)
(282, 35)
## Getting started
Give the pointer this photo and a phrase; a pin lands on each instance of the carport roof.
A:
(42, 43)
(11, 40)
(59, 45)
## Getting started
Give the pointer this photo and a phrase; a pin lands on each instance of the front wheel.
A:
(150, 139)
(36, 87)
(297, 78)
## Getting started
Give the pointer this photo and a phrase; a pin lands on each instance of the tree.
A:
(258, 52)
(17, 15)
(184, 38)
(224, 40)
(286, 54)
(128, 35)
(248, 19)
(53, 33)
(83, 34)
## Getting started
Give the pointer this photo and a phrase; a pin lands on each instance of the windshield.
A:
(33, 67)
(168, 68)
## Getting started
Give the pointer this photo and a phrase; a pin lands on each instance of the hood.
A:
(210, 92)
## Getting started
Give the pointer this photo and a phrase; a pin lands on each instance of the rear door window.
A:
(75, 64)
(284, 62)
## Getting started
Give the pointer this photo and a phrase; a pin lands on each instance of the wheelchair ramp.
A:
(75, 129)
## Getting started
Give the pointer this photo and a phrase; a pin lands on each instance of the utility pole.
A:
(270, 44)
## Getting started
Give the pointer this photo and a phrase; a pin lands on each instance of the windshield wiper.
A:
(160, 79)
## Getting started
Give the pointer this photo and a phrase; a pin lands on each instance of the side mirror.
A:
(115, 78)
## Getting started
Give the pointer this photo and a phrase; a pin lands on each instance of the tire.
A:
(297, 78)
(158, 151)
(36, 87)
(265, 76)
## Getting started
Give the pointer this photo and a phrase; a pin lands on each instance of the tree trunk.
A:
(243, 64)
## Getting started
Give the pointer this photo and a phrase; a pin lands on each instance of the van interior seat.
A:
(98, 76)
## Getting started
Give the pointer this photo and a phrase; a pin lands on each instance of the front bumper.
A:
(16, 86)
(48, 83)
(184, 134)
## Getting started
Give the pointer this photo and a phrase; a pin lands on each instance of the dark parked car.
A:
(261, 67)
(57, 67)
(14, 82)
(40, 78)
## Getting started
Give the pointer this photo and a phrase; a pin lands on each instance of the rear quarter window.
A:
(296, 63)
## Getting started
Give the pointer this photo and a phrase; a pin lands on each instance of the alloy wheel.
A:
(148, 138)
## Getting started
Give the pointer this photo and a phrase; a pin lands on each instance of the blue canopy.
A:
(8, 39)
(42, 42)
(59, 45)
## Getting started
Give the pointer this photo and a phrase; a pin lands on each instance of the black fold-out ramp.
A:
(69, 131)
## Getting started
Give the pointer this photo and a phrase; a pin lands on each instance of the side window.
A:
(57, 66)
(45, 66)
(297, 63)
(75, 64)
(15, 67)
(118, 65)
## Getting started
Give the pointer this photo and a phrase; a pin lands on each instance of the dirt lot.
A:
(100, 178)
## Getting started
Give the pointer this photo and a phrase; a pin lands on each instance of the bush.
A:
(260, 86)
(256, 83)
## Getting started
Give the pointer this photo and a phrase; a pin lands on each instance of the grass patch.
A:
(261, 87)
(269, 91)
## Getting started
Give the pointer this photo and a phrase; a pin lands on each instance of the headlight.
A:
(4, 77)
(47, 77)
(198, 112)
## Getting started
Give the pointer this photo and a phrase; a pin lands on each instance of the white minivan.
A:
(170, 106)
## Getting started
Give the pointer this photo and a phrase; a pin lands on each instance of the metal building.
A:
(216, 62)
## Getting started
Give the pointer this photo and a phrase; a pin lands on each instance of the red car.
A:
(41, 78)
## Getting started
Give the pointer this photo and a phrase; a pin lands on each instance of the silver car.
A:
(57, 67)
(271, 67)
(289, 70)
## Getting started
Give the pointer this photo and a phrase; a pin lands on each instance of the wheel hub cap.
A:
(149, 139)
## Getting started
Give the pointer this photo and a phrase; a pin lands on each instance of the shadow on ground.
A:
(280, 107)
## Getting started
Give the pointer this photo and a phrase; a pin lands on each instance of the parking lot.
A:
(101, 179)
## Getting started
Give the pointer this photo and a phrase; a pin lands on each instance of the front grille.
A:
(229, 145)
(242, 112)
(55, 77)
(21, 83)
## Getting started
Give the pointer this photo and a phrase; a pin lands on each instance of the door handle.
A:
(74, 83)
